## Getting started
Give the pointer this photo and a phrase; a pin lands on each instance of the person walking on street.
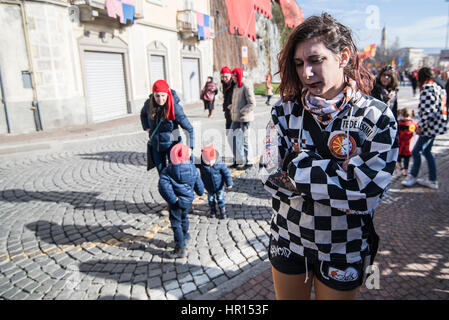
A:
(413, 76)
(228, 88)
(268, 89)
(242, 113)
(432, 122)
(161, 117)
(208, 95)
(216, 177)
(338, 148)
(407, 128)
(386, 88)
(177, 185)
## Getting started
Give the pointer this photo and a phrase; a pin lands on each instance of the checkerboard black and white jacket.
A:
(431, 119)
(323, 221)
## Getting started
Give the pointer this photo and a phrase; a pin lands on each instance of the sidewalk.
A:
(49, 139)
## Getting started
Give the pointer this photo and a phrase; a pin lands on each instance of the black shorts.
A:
(342, 277)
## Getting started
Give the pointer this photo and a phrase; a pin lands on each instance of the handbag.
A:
(208, 95)
(150, 161)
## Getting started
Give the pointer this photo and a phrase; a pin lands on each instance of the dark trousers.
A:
(180, 224)
(228, 118)
(404, 161)
(160, 159)
(424, 146)
(220, 195)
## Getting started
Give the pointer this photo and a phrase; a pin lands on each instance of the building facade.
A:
(66, 63)
(412, 58)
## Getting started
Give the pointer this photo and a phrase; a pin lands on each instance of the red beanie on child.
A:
(179, 153)
(208, 154)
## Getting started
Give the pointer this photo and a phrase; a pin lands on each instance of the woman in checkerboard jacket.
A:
(338, 149)
(432, 115)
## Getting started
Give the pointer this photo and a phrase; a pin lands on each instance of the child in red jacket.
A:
(407, 127)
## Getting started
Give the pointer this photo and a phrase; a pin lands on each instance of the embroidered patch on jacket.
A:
(348, 275)
(339, 145)
(412, 127)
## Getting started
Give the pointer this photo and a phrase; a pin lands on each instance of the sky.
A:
(416, 23)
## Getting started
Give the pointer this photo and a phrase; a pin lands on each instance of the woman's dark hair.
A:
(154, 108)
(389, 70)
(336, 37)
(424, 74)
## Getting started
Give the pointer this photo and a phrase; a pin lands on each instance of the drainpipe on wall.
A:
(5, 104)
(35, 103)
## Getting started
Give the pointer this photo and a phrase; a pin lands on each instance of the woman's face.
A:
(226, 77)
(385, 79)
(160, 98)
(319, 69)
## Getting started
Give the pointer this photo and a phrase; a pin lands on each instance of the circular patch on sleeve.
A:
(339, 145)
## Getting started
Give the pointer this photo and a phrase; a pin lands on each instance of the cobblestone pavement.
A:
(83, 220)
(86, 221)
(413, 257)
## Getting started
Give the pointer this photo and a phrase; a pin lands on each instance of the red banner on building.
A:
(264, 7)
(293, 15)
(242, 17)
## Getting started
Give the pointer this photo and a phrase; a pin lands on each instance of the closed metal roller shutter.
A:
(105, 85)
(191, 80)
(157, 68)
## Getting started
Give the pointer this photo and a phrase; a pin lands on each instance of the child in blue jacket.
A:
(177, 185)
(215, 176)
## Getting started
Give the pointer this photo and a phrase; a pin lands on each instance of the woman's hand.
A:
(345, 163)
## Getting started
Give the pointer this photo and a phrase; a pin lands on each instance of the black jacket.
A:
(227, 95)
(216, 176)
(379, 93)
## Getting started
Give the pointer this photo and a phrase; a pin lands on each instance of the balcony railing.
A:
(100, 7)
(186, 23)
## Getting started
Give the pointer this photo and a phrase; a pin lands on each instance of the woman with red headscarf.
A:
(161, 117)
(228, 88)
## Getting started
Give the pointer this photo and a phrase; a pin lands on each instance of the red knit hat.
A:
(179, 153)
(162, 86)
(225, 70)
(208, 154)
(238, 72)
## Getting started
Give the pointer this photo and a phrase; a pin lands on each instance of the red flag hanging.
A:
(264, 7)
(241, 16)
(293, 15)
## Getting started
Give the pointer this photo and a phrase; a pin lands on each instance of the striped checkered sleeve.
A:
(360, 188)
(427, 108)
(278, 113)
